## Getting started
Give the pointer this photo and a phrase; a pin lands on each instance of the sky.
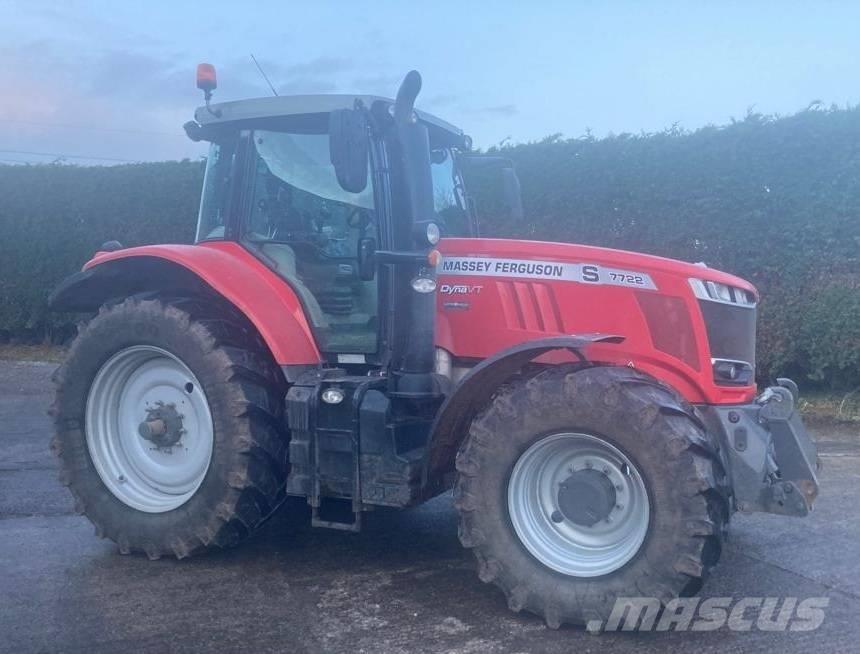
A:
(98, 82)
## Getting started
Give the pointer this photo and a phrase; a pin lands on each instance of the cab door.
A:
(304, 225)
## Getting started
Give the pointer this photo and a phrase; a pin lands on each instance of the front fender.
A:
(477, 388)
(223, 268)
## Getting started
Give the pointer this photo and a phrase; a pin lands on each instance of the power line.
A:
(95, 129)
(60, 155)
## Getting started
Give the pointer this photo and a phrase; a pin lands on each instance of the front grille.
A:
(731, 330)
(730, 319)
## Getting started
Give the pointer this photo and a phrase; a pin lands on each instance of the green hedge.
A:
(776, 201)
(53, 217)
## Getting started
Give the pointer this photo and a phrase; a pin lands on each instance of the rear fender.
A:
(224, 270)
(477, 388)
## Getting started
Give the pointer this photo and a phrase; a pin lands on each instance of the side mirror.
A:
(493, 181)
(348, 148)
(513, 197)
(366, 259)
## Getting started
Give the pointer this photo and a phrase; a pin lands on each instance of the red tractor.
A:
(340, 332)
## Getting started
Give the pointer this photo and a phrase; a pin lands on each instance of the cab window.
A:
(448, 196)
(308, 228)
(215, 203)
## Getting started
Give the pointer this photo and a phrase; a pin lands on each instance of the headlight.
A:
(424, 284)
(426, 232)
(728, 371)
(718, 292)
(433, 233)
(332, 396)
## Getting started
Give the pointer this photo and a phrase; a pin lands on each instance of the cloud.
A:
(501, 110)
(101, 104)
(441, 100)
(320, 66)
(132, 74)
(315, 76)
(308, 84)
(381, 84)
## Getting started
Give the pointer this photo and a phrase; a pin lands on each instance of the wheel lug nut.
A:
(619, 506)
(618, 487)
(556, 516)
(605, 470)
(121, 479)
(608, 519)
(588, 464)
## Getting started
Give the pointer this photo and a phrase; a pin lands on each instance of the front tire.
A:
(169, 426)
(579, 486)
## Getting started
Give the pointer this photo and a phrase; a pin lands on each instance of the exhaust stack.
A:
(413, 338)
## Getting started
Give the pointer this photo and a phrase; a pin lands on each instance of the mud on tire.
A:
(246, 477)
(651, 425)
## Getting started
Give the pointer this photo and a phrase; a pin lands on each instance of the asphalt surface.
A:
(402, 585)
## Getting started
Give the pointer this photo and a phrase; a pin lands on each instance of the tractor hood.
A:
(677, 319)
(569, 260)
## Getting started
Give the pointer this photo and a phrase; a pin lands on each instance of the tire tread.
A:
(255, 388)
(689, 446)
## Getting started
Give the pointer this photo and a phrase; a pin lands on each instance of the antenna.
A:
(265, 77)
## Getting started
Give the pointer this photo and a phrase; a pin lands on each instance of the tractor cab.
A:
(326, 190)
(345, 198)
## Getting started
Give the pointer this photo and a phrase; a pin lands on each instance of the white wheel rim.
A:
(125, 390)
(561, 544)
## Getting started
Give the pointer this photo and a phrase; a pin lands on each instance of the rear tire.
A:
(618, 415)
(243, 480)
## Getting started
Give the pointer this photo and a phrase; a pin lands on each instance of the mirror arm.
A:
(400, 257)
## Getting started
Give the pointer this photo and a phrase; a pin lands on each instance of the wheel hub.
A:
(586, 497)
(163, 425)
(578, 504)
(149, 428)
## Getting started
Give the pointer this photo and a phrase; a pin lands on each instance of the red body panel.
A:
(505, 310)
(266, 299)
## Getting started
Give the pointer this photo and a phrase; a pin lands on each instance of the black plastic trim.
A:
(476, 389)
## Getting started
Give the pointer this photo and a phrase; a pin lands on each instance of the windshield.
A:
(297, 198)
(448, 196)
(303, 162)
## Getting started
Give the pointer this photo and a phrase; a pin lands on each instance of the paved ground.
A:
(403, 585)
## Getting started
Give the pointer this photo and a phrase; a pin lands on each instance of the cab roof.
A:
(296, 105)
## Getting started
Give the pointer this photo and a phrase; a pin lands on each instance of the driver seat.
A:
(284, 258)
